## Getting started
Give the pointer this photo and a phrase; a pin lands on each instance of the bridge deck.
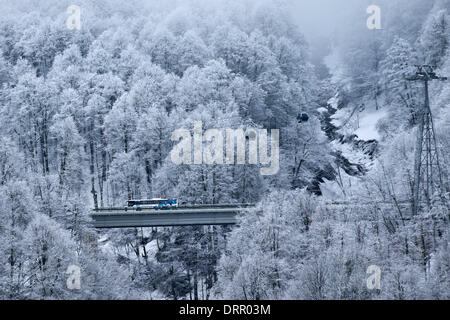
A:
(119, 218)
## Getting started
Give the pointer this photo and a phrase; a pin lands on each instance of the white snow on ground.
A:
(331, 190)
(322, 110)
(333, 102)
(339, 189)
(368, 119)
(339, 117)
(363, 123)
(368, 125)
(103, 239)
(152, 248)
(108, 248)
(352, 154)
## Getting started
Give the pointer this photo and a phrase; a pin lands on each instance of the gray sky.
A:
(325, 22)
(324, 17)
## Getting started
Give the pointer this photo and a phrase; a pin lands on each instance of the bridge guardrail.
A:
(195, 206)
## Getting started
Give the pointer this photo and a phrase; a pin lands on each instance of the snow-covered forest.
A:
(86, 117)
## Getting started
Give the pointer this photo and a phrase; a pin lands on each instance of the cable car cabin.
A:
(302, 117)
(156, 204)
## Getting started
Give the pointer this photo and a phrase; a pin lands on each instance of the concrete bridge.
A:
(190, 215)
(224, 214)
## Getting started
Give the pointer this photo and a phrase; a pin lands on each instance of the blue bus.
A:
(155, 203)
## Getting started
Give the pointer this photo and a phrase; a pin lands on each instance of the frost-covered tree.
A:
(434, 40)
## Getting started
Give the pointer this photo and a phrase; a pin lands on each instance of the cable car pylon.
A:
(427, 170)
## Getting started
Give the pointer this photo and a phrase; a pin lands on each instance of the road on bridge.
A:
(224, 214)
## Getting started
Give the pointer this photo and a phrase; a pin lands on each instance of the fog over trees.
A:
(86, 118)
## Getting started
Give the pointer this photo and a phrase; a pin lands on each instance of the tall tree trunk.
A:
(92, 173)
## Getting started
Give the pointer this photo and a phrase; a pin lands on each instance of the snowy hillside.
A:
(311, 134)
